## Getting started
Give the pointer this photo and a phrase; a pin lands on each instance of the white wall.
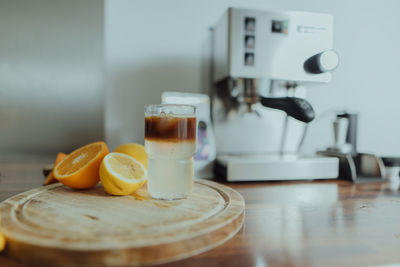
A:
(153, 46)
(51, 75)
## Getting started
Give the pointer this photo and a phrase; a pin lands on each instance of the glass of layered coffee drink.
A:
(170, 142)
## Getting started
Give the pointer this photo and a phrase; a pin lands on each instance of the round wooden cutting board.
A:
(57, 225)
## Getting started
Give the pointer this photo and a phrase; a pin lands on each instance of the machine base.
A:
(275, 168)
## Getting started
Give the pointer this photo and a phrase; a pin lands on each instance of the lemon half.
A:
(121, 174)
(135, 150)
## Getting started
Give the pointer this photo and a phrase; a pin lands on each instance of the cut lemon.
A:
(136, 151)
(121, 174)
(80, 169)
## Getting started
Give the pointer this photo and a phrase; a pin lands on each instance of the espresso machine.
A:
(262, 61)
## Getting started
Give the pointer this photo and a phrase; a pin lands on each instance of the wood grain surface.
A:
(58, 225)
(309, 223)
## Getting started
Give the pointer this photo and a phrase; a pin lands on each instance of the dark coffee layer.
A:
(170, 128)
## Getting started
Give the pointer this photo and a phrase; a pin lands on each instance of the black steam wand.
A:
(295, 107)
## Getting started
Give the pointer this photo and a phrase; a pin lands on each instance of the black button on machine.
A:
(250, 24)
(249, 41)
(279, 26)
(276, 26)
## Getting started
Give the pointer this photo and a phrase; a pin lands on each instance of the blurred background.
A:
(51, 75)
(72, 72)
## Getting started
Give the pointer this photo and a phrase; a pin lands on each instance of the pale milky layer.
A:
(180, 150)
(170, 169)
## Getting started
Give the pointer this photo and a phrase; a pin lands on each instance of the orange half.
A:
(50, 177)
(80, 169)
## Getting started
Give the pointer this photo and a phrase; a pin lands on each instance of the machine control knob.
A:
(322, 62)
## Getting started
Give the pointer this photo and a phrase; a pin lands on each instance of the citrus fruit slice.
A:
(121, 174)
(80, 168)
(137, 151)
(2, 240)
(50, 177)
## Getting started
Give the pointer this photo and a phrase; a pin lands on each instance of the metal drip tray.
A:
(275, 168)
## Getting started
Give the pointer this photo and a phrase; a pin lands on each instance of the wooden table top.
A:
(310, 223)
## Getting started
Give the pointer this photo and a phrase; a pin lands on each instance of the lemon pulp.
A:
(121, 174)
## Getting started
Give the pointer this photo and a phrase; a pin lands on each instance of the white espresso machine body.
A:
(267, 44)
(255, 46)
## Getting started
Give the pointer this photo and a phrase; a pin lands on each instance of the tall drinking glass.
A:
(170, 142)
